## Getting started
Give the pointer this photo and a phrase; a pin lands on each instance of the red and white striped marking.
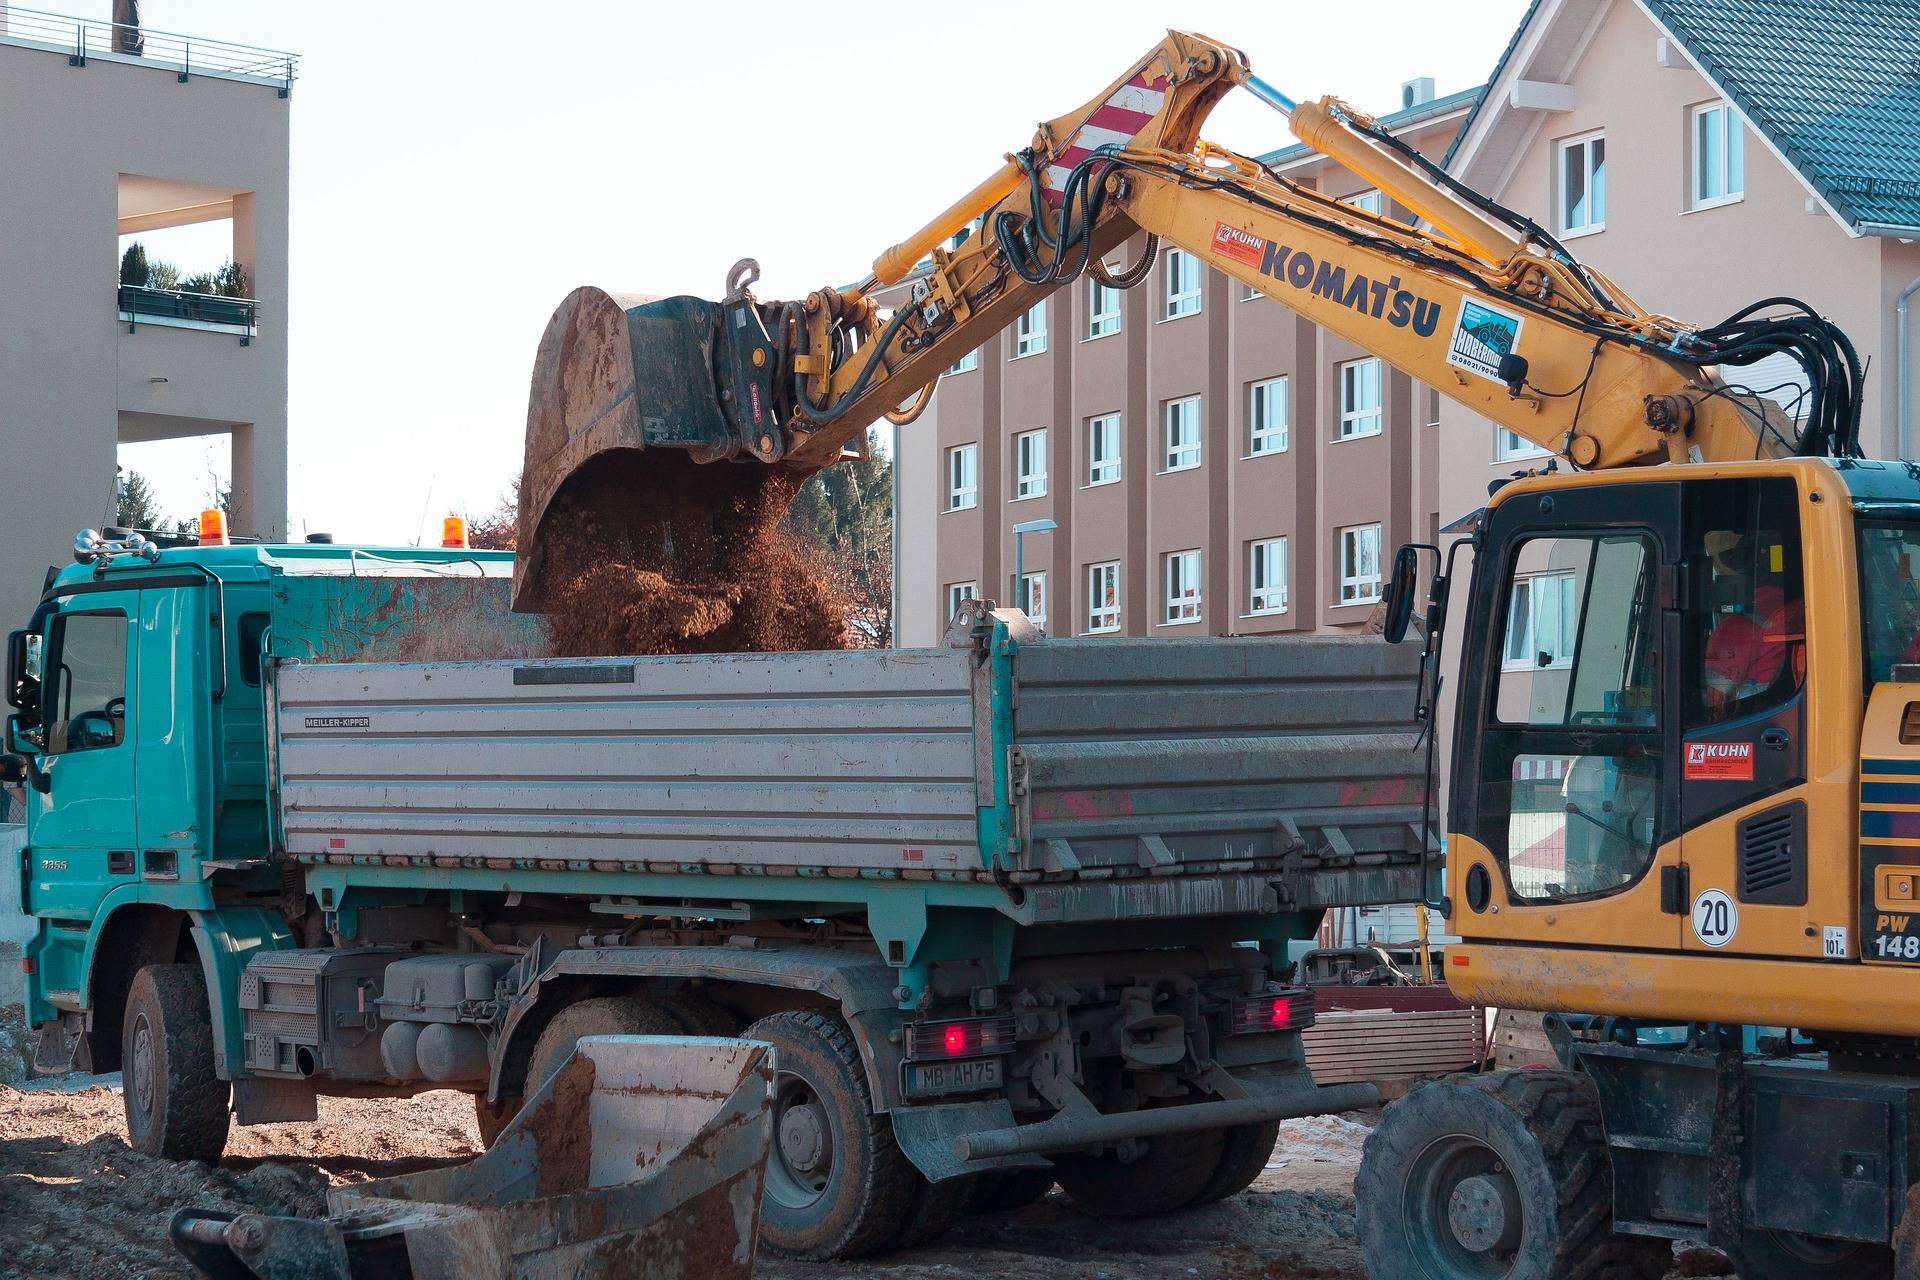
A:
(1540, 769)
(1118, 120)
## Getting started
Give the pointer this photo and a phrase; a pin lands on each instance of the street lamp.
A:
(1019, 560)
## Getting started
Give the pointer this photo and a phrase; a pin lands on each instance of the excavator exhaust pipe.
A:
(650, 422)
(641, 1156)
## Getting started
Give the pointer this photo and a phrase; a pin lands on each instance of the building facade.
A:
(1210, 463)
(110, 130)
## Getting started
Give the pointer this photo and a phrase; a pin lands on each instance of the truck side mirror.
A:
(1401, 585)
(23, 687)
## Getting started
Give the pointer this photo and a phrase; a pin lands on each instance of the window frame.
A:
(955, 599)
(1531, 634)
(1178, 303)
(1561, 211)
(1097, 572)
(1356, 201)
(1254, 590)
(966, 363)
(967, 497)
(1523, 450)
(1097, 318)
(1096, 462)
(1029, 482)
(1024, 597)
(1170, 452)
(1351, 586)
(1733, 132)
(1347, 427)
(1284, 430)
(1030, 331)
(56, 693)
(1188, 603)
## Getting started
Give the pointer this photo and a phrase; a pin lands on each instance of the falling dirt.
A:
(647, 552)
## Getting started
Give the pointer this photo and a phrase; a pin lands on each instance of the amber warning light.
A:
(453, 533)
(213, 528)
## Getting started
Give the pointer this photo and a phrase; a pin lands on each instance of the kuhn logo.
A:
(1720, 761)
(1701, 752)
(1241, 246)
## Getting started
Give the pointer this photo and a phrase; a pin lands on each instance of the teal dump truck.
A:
(317, 819)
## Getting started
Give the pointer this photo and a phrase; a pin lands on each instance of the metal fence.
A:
(186, 56)
(138, 303)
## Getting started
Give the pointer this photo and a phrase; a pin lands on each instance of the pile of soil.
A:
(648, 552)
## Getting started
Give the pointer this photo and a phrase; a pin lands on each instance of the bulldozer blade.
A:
(642, 1157)
(635, 408)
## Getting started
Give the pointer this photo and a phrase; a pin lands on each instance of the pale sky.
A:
(458, 169)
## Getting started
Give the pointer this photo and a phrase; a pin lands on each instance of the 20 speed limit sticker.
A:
(1715, 918)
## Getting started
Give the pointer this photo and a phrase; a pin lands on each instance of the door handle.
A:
(1775, 738)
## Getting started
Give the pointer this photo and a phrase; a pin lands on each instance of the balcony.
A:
(82, 39)
(181, 310)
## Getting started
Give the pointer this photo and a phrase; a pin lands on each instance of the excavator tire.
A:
(1176, 1168)
(838, 1186)
(1784, 1255)
(1244, 1152)
(176, 1104)
(1009, 1190)
(1503, 1174)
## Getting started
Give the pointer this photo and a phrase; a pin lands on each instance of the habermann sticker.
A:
(339, 722)
(1719, 762)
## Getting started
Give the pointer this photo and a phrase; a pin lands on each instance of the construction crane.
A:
(1685, 771)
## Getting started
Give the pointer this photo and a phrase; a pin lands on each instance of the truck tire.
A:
(699, 1016)
(1245, 1150)
(838, 1185)
(1172, 1173)
(1502, 1175)
(594, 1016)
(176, 1105)
(1786, 1255)
(491, 1117)
(1009, 1190)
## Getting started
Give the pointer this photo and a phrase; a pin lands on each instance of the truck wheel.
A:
(1787, 1255)
(1171, 1175)
(491, 1117)
(1507, 1175)
(1009, 1189)
(594, 1016)
(838, 1185)
(700, 1016)
(936, 1207)
(176, 1105)
(1245, 1150)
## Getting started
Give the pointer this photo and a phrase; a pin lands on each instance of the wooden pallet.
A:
(1389, 1045)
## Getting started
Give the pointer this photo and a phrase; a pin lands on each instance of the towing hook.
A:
(741, 277)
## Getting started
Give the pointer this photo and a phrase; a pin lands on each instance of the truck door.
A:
(83, 836)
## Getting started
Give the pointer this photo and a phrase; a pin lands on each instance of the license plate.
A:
(956, 1077)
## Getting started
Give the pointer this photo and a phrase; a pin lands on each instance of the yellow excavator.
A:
(1684, 781)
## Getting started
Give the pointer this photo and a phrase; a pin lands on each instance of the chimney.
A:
(1416, 93)
(126, 28)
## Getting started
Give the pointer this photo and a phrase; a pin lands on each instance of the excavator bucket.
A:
(648, 424)
(642, 1157)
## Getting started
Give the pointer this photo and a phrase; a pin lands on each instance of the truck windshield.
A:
(1889, 596)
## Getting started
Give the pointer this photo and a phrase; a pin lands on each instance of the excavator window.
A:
(1889, 596)
(1747, 617)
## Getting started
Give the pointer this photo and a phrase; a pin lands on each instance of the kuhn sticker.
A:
(1719, 762)
(1482, 336)
(339, 722)
(1241, 246)
(1715, 918)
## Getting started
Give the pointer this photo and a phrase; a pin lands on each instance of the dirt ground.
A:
(76, 1201)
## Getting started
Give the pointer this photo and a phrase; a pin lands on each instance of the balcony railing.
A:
(186, 56)
(188, 310)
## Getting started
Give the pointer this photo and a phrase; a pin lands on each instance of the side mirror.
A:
(23, 686)
(1401, 585)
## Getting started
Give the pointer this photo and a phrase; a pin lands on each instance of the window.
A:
(1267, 417)
(1030, 331)
(1030, 464)
(89, 682)
(1719, 156)
(1360, 564)
(1103, 309)
(963, 477)
(1267, 576)
(1511, 445)
(1370, 201)
(1103, 449)
(1583, 184)
(1033, 598)
(967, 363)
(1359, 399)
(1183, 587)
(253, 645)
(1746, 625)
(1183, 283)
(1183, 434)
(958, 593)
(1103, 597)
(1540, 616)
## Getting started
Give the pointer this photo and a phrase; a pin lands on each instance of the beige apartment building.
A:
(107, 130)
(1212, 463)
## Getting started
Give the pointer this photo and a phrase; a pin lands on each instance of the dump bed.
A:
(1043, 762)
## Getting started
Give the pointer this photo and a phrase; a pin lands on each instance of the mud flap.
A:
(927, 1135)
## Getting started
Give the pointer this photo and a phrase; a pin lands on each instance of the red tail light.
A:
(1290, 1010)
(26, 965)
(964, 1038)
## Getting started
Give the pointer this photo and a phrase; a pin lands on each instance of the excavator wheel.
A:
(1786, 1255)
(1009, 1190)
(1176, 1168)
(1244, 1152)
(1501, 1176)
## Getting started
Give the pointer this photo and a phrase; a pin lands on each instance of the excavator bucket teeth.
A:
(642, 1155)
(636, 406)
